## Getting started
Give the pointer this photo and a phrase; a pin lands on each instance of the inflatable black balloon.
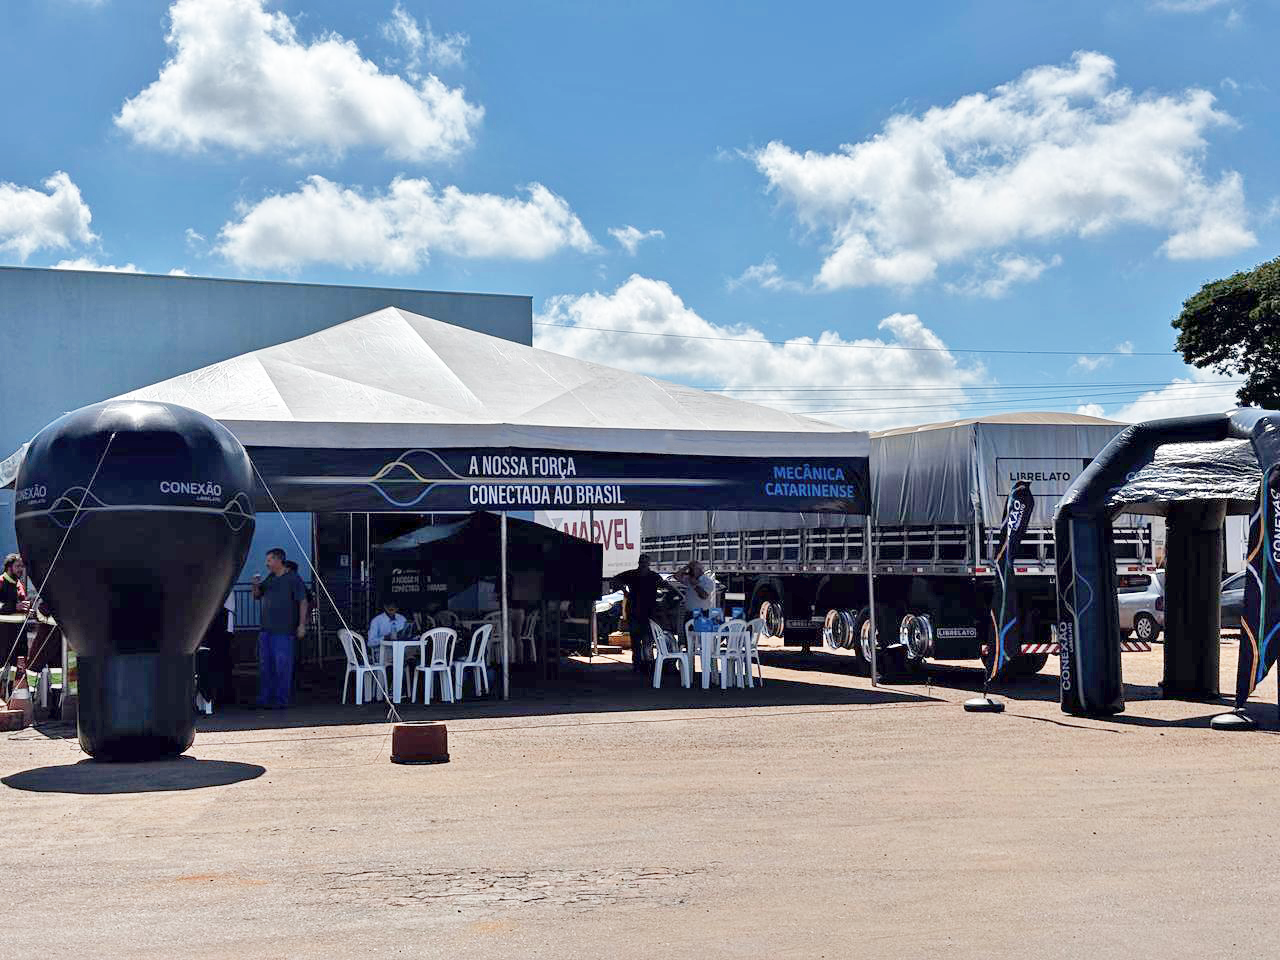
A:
(146, 552)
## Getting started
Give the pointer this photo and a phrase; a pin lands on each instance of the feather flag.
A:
(1006, 620)
(1261, 620)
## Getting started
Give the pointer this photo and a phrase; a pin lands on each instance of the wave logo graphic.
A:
(238, 511)
(75, 504)
(69, 509)
(409, 478)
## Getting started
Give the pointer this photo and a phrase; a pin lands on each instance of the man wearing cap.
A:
(642, 587)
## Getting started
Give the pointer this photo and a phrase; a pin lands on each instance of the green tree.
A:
(1233, 327)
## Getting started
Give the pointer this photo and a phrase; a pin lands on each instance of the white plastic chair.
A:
(666, 648)
(442, 640)
(529, 635)
(358, 663)
(755, 630)
(730, 649)
(474, 660)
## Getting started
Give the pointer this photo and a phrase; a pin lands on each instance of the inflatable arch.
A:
(1193, 471)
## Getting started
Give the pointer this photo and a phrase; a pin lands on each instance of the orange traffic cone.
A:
(20, 696)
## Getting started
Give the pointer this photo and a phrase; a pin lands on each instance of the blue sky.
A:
(1053, 176)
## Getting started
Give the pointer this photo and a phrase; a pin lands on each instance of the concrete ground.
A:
(815, 817)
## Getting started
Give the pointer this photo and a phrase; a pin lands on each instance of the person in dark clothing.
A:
(642, 587)
(13, 600)
(284, 620)
(215, 673)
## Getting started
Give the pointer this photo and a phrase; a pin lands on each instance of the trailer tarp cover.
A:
(938, 473)
(935, 473)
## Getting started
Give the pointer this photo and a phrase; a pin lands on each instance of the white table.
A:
(706, 645)
(397, 663)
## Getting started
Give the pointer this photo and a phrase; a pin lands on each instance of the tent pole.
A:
(711, 532)
(506, 618)
(869, 554)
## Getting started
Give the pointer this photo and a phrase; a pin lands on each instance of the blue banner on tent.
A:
(423, 480)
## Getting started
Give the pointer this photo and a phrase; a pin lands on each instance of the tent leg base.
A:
(983, 704)
(1233, 722)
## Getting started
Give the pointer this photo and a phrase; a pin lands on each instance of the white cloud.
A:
(630, 238)
(879, 372)
(994, 280)
(1200, 391)
(765, 275)
(88, 263)
(1091, 410)
(32, 220)
(1125, 347)
(1059, 152)
(178, 272)
(399, 229)
(1090, 364)
(241, 78)
(1188, 6)
(442, 51)
(195, 241)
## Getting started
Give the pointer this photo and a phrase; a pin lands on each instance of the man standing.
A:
(284, 618)
(642, 586)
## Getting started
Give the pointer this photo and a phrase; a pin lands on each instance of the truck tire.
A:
(892, 662)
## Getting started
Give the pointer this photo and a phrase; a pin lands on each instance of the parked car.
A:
(1233, 600)
(1142, 605)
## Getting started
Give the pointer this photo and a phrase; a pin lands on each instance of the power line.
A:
(1078, 397)
(862, 346)
(916, 388)
(1181, 389)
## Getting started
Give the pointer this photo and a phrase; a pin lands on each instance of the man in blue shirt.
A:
(284, 618)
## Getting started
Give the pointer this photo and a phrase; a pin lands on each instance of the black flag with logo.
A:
(1006, 619)
(1261, 620)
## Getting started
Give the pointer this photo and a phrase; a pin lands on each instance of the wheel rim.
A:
(1145, 628)
(864, 639)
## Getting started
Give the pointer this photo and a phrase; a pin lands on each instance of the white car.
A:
(1142, 605)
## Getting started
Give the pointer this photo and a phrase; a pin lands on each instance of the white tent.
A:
(397, 411)
(393, 378)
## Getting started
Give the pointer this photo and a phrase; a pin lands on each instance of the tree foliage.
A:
(1233, 327)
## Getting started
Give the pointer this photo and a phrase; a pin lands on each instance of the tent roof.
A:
(1050, 418)
(393, 378)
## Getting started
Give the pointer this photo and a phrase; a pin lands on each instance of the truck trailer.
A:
(939, 493)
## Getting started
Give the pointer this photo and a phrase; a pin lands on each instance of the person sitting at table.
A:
(388, 625)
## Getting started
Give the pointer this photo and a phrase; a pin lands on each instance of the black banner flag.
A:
(1006, 621)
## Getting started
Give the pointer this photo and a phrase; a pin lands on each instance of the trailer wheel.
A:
(1145, 627)
(890, 661)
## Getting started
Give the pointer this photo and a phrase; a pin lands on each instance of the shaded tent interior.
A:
(448, 566)
(1194, 472)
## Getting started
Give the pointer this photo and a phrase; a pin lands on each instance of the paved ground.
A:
(814, 818)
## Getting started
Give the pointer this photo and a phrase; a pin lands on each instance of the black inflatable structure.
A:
(1194, 471)
(140, 515)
